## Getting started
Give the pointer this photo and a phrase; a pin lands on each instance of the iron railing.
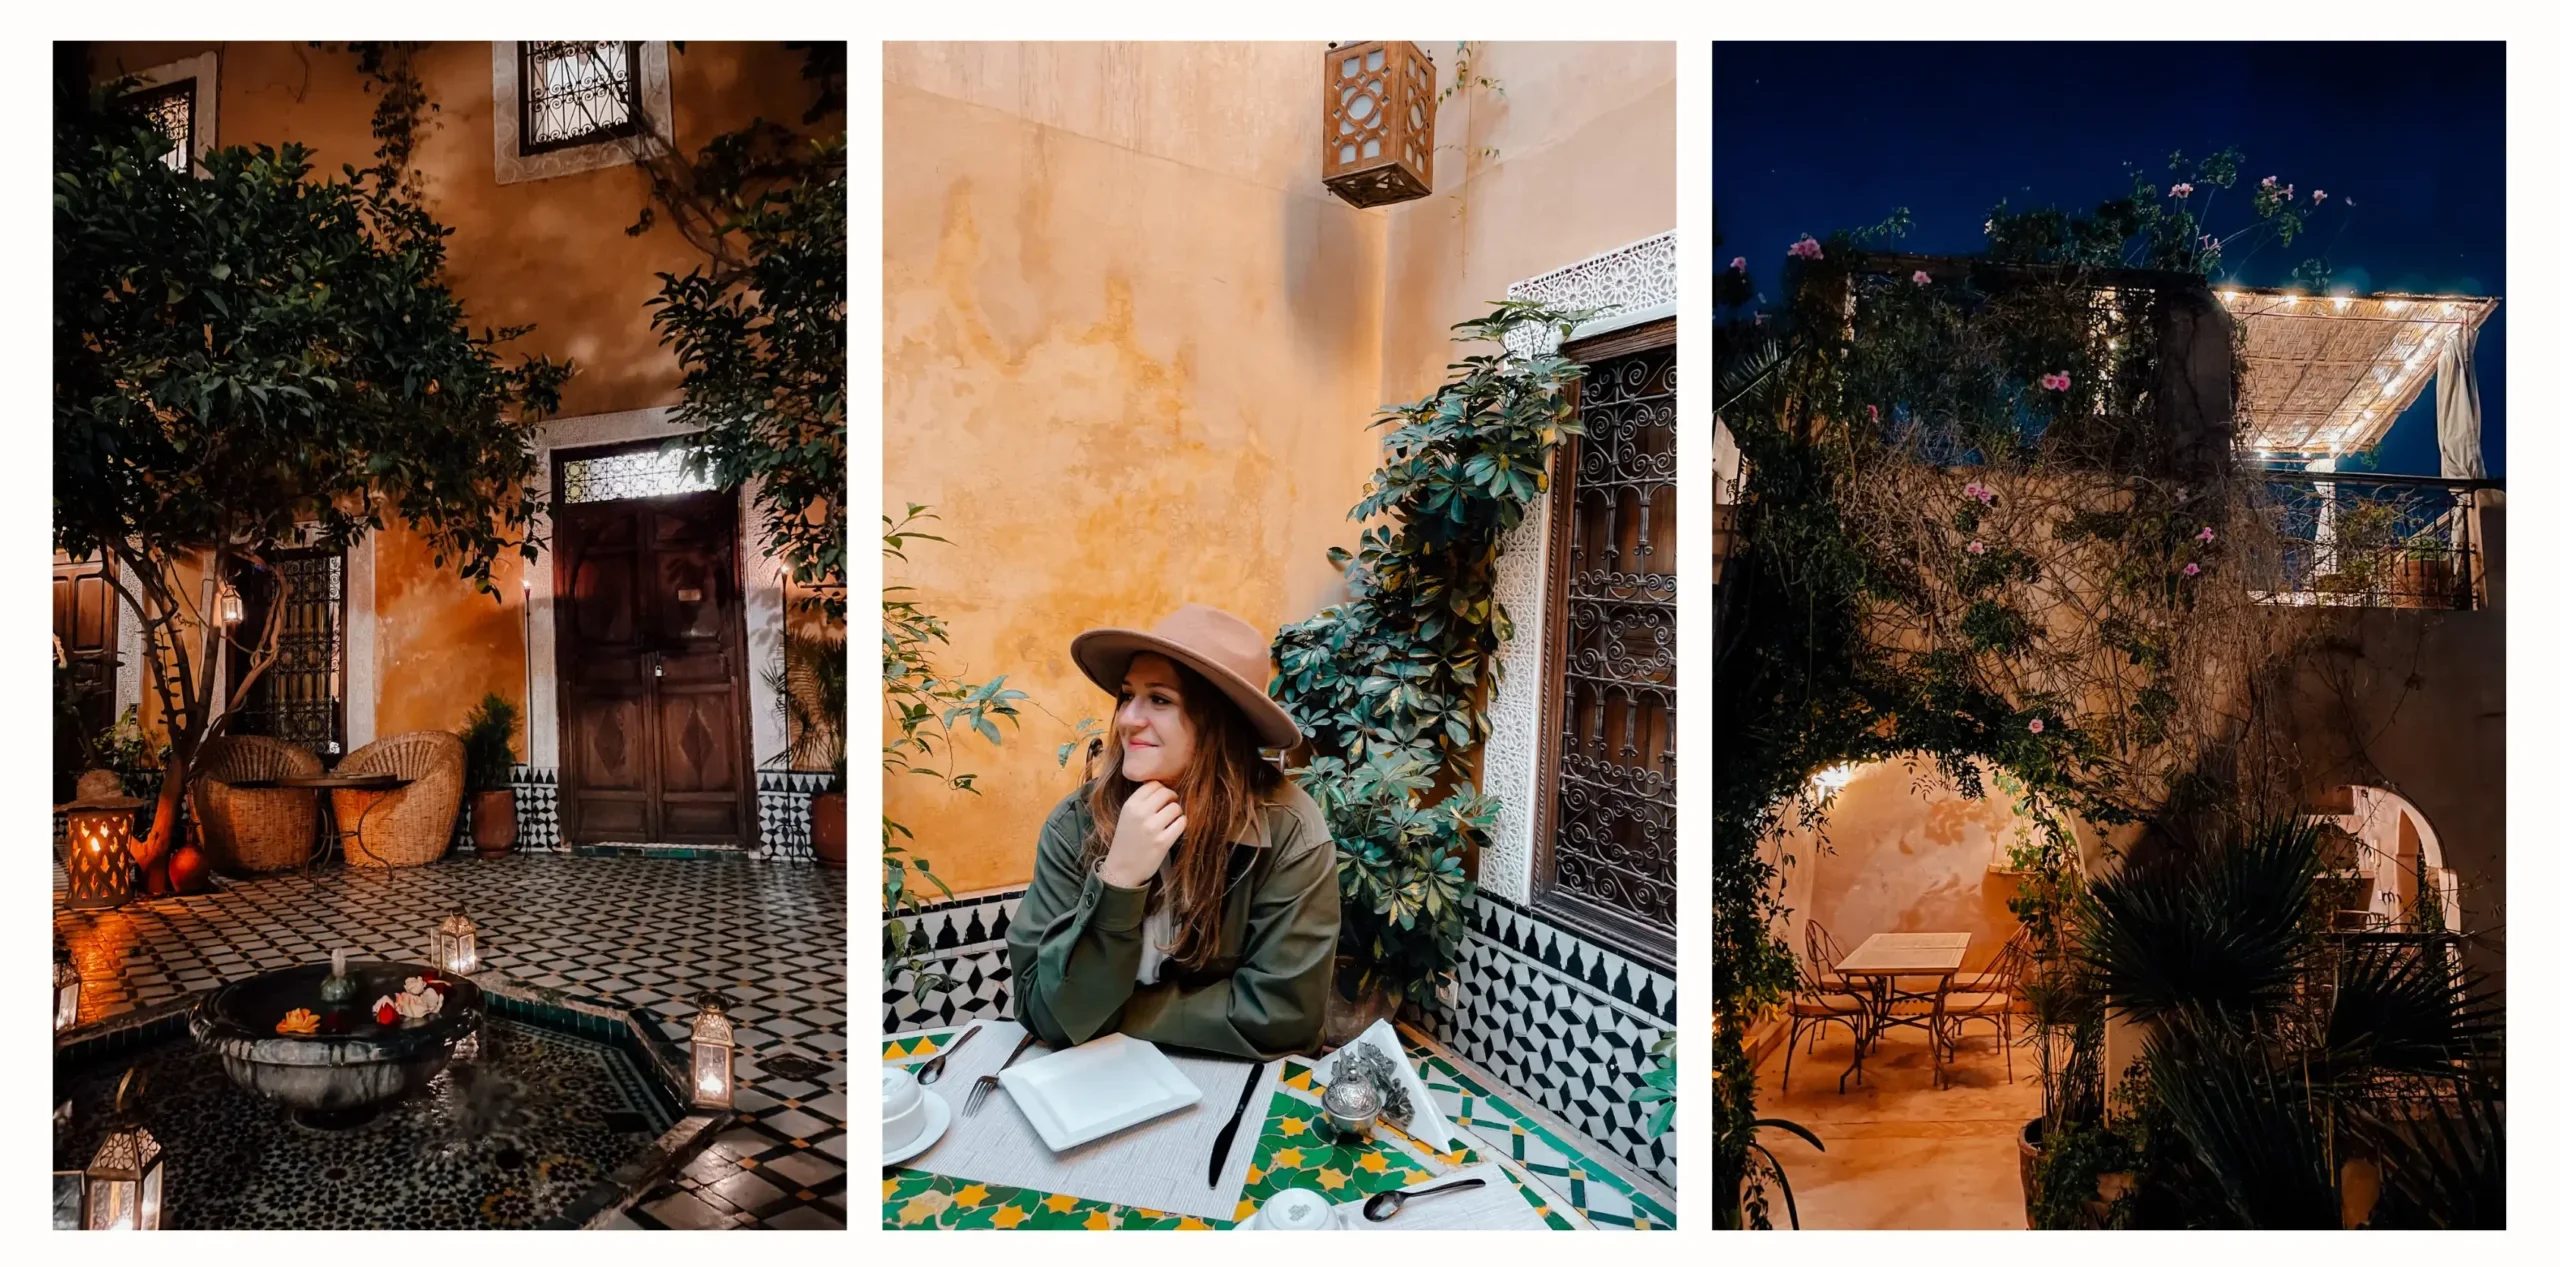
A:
(2359, 540)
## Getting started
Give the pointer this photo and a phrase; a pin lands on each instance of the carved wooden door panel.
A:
(652, 654)
(84, 626)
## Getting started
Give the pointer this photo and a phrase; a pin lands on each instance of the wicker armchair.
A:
(248, 830)
(410, 826)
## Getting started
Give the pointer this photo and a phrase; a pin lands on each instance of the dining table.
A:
(1290, 1146)
(1880, 964)
(325, 784)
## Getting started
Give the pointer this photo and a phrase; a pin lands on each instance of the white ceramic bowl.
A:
(1296, 1210)
(901, 1107)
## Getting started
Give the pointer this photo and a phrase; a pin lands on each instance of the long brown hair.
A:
(1224, 787)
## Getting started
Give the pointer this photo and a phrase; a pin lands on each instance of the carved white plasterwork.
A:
(1636, 283)
(657, 107)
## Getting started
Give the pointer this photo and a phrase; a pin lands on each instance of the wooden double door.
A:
(650, 639)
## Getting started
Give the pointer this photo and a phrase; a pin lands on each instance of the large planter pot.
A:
(2030, 1147)
(493, 822)
(1346, 1019)
(826, 827)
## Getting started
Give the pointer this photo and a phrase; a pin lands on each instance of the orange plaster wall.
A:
(551, 253)
(1906, 857)
(1132, 345)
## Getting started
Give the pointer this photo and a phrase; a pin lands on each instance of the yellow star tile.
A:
(1374, 1163)
(1416, 1176)
(1292, 1126)
(1332, 1178)
(1244, 1210)
(1058, 1203)
(1098, 1222)
(1287, 1158)
(969, 1197)
(1253, 1174)
(1190, 1224)
(923, 1207)
(1303, 1080)
(888, 1188)
(1145, 1213)
(1009, 1218)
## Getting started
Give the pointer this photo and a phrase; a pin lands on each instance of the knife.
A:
(1227, 1135)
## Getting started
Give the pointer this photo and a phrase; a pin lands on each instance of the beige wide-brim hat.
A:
(1231, 654)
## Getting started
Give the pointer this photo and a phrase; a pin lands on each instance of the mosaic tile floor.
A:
(646, 933)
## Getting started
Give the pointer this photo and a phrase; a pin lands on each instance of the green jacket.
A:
(1074, 944)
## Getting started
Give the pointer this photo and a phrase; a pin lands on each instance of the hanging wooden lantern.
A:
(457, 943)
(715, 1049)
(97, 854)
(1378, 114)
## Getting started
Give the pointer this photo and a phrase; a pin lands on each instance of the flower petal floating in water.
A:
(301, 1020)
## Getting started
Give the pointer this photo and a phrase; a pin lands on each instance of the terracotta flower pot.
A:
(493, 822)
(1347, 1019)
(826, 827)
(2030, 1143)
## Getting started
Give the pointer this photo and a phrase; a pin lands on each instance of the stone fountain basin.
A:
(354, 1065)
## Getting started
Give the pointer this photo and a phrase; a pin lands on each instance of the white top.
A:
(1157, 933)
(1913, 954)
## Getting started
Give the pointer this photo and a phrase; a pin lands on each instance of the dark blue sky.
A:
(1816, 138)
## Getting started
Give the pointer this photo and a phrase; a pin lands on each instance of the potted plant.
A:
(488, 759)
(1404, 882)
(811, 685)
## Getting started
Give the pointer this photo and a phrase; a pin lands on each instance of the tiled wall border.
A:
(967, 935)
(782, 813)
(1565, 1021)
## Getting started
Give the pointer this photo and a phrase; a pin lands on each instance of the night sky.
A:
(1817, 138)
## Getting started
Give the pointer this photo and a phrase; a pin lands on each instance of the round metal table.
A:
(324, 784)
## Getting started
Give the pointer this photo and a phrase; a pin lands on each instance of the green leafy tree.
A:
(241, 350)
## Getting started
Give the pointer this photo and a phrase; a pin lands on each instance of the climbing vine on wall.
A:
(1986, 519)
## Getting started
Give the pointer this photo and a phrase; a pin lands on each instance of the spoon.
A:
(1384, 1206)
(930, 1071)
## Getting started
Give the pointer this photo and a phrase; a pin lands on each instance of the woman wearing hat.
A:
(1186, 894)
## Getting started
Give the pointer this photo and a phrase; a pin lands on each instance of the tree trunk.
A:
(151, 852)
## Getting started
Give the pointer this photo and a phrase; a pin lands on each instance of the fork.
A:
(987, 1081)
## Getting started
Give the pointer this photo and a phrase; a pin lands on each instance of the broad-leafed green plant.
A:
(929, 708)
(1393, 683)
(488, 744)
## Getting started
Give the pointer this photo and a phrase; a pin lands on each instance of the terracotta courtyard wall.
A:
(1133, 347)
(1899, 854)
(550, 253)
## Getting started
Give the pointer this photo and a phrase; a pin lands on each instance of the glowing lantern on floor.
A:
(66, 993)
(97, 857)
(121, 1189)
(1378, 114)
(715, 1048)
(457, 944)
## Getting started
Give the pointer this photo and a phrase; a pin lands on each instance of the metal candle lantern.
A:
(715, 1048)
(66, 993)
(227, 608)
(121, 1189)
(97, 858)
(1378, 116)
(457, 944)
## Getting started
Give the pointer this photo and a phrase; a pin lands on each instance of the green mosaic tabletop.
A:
(1294, 1151)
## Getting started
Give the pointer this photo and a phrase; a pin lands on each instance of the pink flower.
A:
(1806, 248)
(2319, 196)
(2036, 727)
(2210, 243)
(1984, 496)
(2288, 193)
(1973, 490)
(1920, 278)
(1871, 413)
(2268, 183)
(2181, 190)
(1737, 263)
(2058, 382)
(2206, 535)
(1973, 547)
(2351, 202)
(2194, 568)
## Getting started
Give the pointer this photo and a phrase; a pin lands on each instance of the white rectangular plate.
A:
(1090, 1090)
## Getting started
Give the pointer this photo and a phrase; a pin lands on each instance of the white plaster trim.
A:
(763, 577)
(1640, 281)
(657, 108)
(202, 68)
(363, 685)
(129, 665)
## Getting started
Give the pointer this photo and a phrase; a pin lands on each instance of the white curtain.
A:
(2458, 412)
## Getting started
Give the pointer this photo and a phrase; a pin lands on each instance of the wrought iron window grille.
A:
(576, 92)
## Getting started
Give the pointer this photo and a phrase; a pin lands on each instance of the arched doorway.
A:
(2399, 865)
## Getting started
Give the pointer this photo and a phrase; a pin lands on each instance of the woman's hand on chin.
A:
(1150, 823)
